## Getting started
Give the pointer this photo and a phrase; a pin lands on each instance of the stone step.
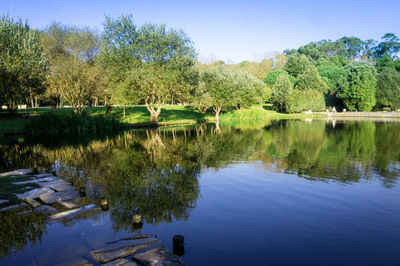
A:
(68, 204)
(120, 262)
(35, 193)
(45, 209)
(158, 256)
(18, 172)
(53, 197)
(33, 203)
(72, 213)
(15, 207)
(45, 179)
(110, 254)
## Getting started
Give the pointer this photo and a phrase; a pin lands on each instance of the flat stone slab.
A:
(53, 197)
(45, 179)
(71, 213)
(35, 193)
(3, 201)
(63, 187)
(14, 207)
(33, 203)
(158, 256)
(68, 204)
(18, 172)
(43, 175)
(107, 255)
(120, 262)
(45, 209)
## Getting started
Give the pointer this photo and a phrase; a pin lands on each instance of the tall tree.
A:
(389, 46)
(74, 77)
(153, 64)
(359, 87)
(280, 91)
(22, 64)
(388, 89)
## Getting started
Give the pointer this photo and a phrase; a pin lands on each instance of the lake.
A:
(286, 192)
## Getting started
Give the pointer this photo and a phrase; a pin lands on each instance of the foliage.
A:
(358, 89)
(71, 123)
(297, 64)
(280, 91)
(311, 80)
(303, 100)
(390, 46)
(332, 75)
(22, 64)
(149, 64)
(75, 77)
(271, 77)
(388, 89)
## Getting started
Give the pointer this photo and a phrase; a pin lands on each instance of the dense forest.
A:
(154, 65)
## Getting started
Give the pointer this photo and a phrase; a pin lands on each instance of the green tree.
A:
(22, 64)
(149, 64)
(297, 64)
(310, 79)
(303, 100)
(271, 77)
(75, 77)
(390, 46)
(359, 87)
(217, 83)
(388, 89)
(280, 91)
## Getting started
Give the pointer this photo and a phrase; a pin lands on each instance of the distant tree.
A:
(23, 66)
(280, 91)
(358, 89)
(218, 84)
(388, 89)
(310, 79)
(248, 90)
(297, 64)
(333, 76)
(152, 64)
(390, 46)
(74, 75)
(272, 76)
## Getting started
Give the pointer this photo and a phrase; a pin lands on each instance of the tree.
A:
(388, 89)
(310, 79)
(303, 100)
(22, 64)
(75, 76)
(359, 87)
(280, 92)
(297, 64)
(390, 46)
(218, 84)
(152, 64)
(271, 77)
(248, 90)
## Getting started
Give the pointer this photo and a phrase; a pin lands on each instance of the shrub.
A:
(303, 100)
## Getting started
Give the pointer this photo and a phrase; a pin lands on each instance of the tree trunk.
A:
(217, 109)
(32, 104)
(153, 113)
(36, 102)
(74, 106)
(109, 108)
(123, 111)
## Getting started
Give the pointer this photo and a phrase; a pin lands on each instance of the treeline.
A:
(153, 65)
(347, 73)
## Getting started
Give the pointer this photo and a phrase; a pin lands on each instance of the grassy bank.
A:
(37, 120)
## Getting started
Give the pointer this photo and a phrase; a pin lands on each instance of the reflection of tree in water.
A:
(17, 230)
(349, 152)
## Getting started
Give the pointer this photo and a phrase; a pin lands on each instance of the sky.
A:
(232, 31)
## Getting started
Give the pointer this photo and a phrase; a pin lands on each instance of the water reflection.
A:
(155, 173)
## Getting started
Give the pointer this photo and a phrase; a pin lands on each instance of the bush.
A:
(303, 100)
(52, 123)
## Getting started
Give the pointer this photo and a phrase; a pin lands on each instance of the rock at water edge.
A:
(53, 197)
(158, 256)
(46, 179)
(106, 255)
(68, 204)
(35, 193)
(48, 198)
(32, 202)
(120, 262)
(18, 172)
(45, 209)
(72, 213)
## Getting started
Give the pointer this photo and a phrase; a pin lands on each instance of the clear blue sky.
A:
(229, 30)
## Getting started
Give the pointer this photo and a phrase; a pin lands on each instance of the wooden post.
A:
(104, 203)
(178, 245)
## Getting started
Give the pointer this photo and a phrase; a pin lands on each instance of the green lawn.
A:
(171, 114)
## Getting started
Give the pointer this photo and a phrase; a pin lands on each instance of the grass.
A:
(135, 115)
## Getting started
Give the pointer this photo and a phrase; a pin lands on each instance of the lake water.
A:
(280, 193)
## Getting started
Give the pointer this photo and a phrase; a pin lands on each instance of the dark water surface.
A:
(285, 193)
